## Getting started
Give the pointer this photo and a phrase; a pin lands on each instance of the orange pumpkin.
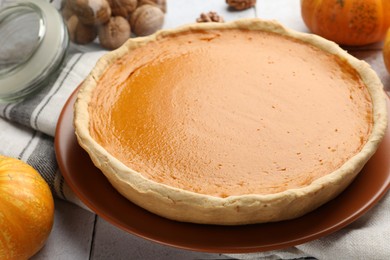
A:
(347, 22)
(26, 210)
(386, 51)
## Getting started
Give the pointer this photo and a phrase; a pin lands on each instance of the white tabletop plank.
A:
(180, 12)
(71, 236)
(113, 243)
(287, 12)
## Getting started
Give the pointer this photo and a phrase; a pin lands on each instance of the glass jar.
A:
(33, 44)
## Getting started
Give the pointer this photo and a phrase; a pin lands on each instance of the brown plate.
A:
(90, 185)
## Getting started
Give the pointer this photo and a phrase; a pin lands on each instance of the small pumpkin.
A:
(26, 209)
(347, 22)
(386, 51)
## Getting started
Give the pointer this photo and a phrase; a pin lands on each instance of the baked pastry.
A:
(234, 123)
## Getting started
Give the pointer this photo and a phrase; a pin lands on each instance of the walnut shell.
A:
(162, 4)
(80, 33)
(210, 17)
(122, 7)
(91, 12)
(114, 33)
(66, 10)
(146, 20)
(241, 4)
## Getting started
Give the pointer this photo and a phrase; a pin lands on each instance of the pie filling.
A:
(232, 113)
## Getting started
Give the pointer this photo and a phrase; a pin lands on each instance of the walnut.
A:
(122, 7)
(91, 12)
(114, 33)
(241, 4)
(146, 20)
(80, 33)
(162, 4)
(210, 17)
(66, 10)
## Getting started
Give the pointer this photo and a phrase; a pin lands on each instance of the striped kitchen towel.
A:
(27, 128)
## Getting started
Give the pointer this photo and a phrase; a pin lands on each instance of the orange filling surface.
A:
(231, 112)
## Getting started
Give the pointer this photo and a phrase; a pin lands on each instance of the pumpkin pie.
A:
(234, 123)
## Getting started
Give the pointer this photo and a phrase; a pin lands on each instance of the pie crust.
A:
(189, 206)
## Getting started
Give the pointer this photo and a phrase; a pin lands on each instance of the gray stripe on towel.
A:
(35, 124)
(43, 159)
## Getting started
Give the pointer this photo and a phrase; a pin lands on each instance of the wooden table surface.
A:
(81, 234)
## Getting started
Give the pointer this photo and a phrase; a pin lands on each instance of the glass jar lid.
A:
(33, 44)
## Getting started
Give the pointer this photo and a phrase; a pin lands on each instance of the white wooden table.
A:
(81, 234)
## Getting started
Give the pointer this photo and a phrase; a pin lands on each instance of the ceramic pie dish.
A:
(234, 123)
